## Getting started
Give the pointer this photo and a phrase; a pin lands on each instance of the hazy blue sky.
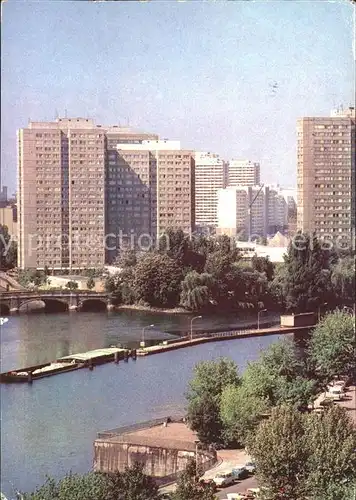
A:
(197, 71)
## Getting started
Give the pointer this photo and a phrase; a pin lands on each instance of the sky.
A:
(226, 77)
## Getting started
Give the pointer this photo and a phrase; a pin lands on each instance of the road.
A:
(239, 487)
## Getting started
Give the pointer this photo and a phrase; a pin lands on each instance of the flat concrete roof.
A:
(175, 436)
(84, 356)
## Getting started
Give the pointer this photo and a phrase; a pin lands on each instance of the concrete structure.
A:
(243, 173)
(17, 301)
(3, 196)
(210, 175)
(163, 448)
(8, 217)
(274, 253)
(61, 191)
(326, 175)
(268, 211)
(150, 188)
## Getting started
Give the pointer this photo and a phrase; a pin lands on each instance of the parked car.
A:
(251, 467)
(240, 472)
(336, 393)
(224, 479)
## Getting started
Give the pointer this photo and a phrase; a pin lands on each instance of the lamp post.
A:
(191, 325)
(258, 317)
(322, 305)
(142, 343)
(196, 457)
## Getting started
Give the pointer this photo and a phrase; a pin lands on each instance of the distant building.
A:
(251, 211)
(3, 196)
(62, 186)
(326, 175)
(210, 175)
(243, 173)
(8, 218)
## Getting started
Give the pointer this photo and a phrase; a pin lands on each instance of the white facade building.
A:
(243, 173)
(251, 211)
(209, 178)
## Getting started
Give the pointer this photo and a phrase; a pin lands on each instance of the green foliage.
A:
(305, 455)
(72, 285)
(205, 390)
(279, 450)
(343, 280)
(307, 278)
(157, 280)
(127, 258)
(177, 245)
(132, 484)
(90, 283)
(263, 265)
(8, 249)
(91, 486)
(332, 346)
(28, 277)
(197, 291)
(190, 488)
(240, 412)
(331, 446)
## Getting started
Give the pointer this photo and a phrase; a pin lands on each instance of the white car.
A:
(251, 467)
(335, 392)
(224, 479)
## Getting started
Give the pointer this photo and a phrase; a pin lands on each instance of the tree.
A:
(190, 488)
(306, 281)
(157, 280)
(331, 447)
(72, 285)
(197, 291)
(132, 484)
(205, 390)
(127, 258)
(177, 245)
(8, 249)
(332, 346)
(280, 452)
(263, 265)
(240, 413)
(343, 280)
(91, 486)
(90, 283)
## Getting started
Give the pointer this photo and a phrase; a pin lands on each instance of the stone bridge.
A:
(60, 300)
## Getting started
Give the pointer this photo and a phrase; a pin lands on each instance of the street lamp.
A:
(322, 305)
(142, 343)
(258, 317)
(191, 325)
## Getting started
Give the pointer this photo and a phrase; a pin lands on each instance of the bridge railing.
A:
(36, 293)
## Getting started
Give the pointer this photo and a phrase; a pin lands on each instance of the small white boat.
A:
(3, 321)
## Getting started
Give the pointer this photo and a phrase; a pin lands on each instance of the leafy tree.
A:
(91, 486)
(90, 283)
(263, 265)
(332, 346)
(197, 290)
(307, 277)
(240, 412)
(127, 258)
(120, 286)
(280, 451)
(8, 249)
(157, 280)
(343, 280)
(132, 484)
(177, 245)
(190, 488)
(204, 394)
(72, 285)
(331, 447)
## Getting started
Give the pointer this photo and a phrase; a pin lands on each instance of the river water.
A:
(48, 428)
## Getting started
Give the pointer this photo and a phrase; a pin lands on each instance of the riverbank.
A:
(137, 307)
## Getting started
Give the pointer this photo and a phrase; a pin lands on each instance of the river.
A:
(48, 428)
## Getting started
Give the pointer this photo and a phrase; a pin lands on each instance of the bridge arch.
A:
(93, 304)
(45, 305)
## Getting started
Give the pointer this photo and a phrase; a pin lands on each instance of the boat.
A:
(39, 371)
(3, 321)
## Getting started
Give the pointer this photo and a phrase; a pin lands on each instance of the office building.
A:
(243, 173)
(8, 218)
(326, 175)
(62, 186)
(210, 175)
(251, 211)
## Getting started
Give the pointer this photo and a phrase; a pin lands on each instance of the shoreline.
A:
(136, 307)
